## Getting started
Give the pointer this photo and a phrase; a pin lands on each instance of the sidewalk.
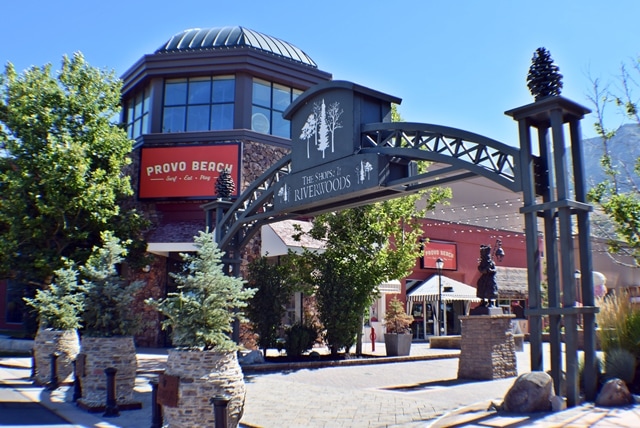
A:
(417, 391)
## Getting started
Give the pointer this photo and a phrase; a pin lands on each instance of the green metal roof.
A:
(196, 39)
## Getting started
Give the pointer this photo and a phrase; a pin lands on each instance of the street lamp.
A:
(439, 266)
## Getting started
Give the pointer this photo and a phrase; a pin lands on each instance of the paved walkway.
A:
(420, 391)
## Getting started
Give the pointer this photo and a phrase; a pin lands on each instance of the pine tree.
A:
(544, 78)
(225, 185)
(202, 312)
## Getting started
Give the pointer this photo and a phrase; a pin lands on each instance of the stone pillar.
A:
(487, 349)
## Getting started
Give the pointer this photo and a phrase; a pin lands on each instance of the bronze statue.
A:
(487, 286)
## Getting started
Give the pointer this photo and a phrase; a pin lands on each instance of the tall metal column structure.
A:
(547, 191)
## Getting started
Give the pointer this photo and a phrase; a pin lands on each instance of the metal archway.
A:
(542, 177)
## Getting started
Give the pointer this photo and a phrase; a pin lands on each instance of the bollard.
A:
(220, 403)
(111, 409)
(77, 388)
(33, 364)
(53, 382)
(156, 408)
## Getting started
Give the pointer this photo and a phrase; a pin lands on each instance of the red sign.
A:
(187, 171)
(440, 250)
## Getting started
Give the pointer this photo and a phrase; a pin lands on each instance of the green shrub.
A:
(300, 338)
(618, 324)
(621, 364)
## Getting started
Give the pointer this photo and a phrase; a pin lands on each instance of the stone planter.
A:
(397, 344)
(98, 354)
(203, 375)
(47, 341)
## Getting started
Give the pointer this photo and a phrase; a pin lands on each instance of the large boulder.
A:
(614, 393)
(531, 392)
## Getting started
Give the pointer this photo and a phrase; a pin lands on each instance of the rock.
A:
(614, 393)
(253, 357)
(531, 392)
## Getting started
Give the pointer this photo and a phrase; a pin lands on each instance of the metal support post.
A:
(111, 409)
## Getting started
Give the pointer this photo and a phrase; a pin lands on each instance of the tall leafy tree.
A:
(267, 307)
(62, 161)
(618, 196)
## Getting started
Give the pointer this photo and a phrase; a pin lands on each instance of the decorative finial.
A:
(224, 184)
(544, 78)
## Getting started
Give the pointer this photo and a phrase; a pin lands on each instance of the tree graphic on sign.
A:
(309, 130)
(323, 131)
(333, 120)
(364, 171)
(284, 193)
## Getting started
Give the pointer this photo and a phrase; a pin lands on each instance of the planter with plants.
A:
(59, 307)
(397, 338)
(109, 323)
(200, 316)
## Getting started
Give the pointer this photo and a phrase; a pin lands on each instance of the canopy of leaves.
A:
(201, 313)
(267, 307)
(109, 309)
(61, 167)
(365, 246)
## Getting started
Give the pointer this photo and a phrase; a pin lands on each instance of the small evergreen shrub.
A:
(299, 339)
(396, 320)
(621, 364)
(202, 312)
(109, 309)
(60, 305)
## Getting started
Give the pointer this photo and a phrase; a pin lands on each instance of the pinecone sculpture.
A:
(224, 184)
(544, 78)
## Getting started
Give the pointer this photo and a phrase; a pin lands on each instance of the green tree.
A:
(618, 196)
(202, 312)
(267, 307)
(62, 161)
(108, 300)
(365, 246)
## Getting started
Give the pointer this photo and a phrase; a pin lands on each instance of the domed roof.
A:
(233, 37)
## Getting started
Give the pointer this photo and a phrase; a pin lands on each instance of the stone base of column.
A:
(487, 348)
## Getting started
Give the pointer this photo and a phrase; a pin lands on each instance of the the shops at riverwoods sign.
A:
(326, 167)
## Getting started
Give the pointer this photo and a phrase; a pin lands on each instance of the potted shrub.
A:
(109, 323)
(397, 338)
(59, 307)
(200, 316)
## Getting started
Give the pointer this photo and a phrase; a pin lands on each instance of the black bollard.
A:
(111, 409)
(77, 388)
(33, 364)
(53, 382)
(156, 408)
(220, 403)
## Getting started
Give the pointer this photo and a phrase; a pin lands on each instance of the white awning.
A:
(427, 290)
(164, 248)
(390, 287)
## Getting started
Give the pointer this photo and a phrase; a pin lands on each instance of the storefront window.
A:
(270, 100)
(198, 104)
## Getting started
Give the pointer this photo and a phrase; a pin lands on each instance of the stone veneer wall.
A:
(47, 341)
(202, 376)
(101, 353)
(487, 348)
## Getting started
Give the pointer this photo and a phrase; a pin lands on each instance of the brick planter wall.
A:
(203, 375)
(487, 349)
(101, 353)
(47, 341)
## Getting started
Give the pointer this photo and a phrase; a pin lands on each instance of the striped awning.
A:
(428, 290)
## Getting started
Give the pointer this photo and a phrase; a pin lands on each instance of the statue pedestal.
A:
(487, 348)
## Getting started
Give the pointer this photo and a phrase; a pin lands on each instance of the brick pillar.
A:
(487, 349)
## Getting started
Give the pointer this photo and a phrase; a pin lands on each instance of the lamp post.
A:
(439, 266)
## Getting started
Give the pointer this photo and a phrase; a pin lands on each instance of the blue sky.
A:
(453, 63)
